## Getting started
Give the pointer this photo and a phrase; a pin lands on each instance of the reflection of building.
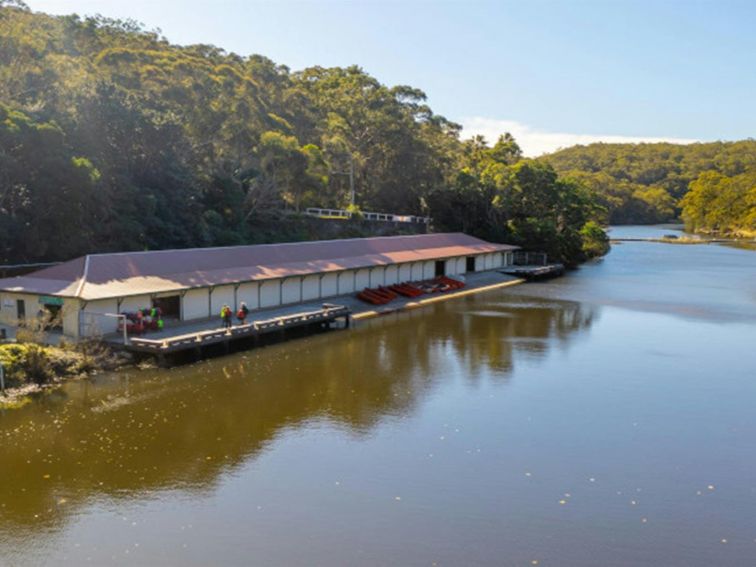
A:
(196, 283)
(131, 437)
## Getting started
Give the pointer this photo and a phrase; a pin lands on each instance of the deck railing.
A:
(385, 217)
(256, 327)
(523, 258)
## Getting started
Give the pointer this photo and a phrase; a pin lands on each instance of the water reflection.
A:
(136, 434)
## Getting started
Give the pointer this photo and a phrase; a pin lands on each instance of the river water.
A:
(605, 418)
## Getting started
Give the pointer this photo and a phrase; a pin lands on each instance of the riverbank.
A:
(676, 234)
(738, 235)
(30, 368)
(679, 240)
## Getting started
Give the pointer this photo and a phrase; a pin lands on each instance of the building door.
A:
(170, 306)
(20, 309)
(470, 264)
(440, 268)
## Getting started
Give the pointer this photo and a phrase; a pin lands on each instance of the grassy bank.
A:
(31, 367)
(735, 234)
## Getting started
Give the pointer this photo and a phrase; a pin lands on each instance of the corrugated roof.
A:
(101, 276)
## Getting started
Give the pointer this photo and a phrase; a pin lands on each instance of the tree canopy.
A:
(710, 185)
(111, 138)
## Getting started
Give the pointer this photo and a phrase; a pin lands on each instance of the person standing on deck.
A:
(226, 315)
(242, 313)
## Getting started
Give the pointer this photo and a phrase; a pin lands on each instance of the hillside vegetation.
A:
(111, 138)
(711, 186)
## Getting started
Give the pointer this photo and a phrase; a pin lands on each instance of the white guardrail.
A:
(344, 214)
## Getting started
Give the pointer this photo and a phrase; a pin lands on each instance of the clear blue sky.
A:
(553, 72)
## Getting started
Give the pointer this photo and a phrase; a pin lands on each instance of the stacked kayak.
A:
(385, 294)
(407, 290)
(377, 296)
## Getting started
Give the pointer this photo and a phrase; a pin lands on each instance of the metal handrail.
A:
(371, 216)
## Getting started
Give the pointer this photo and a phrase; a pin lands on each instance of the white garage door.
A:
(195, 304)
(247, 293)
(311, 288)
(329, 285)
(346, 282)
(363, 279)
(270, 293)
(405, 272)
(392, 275)
(377, 276)
(291, 290)
(221, 295)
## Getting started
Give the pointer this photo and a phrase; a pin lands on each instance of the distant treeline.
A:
(111, 138)
(712, 186)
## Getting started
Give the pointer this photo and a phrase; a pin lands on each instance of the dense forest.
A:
(111, 138)
(712, 186)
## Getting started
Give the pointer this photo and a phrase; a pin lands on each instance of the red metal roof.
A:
(101, 276)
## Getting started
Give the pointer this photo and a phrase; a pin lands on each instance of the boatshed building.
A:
(190, 284)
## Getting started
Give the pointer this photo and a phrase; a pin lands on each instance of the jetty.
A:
(535, 272)
(532, 266)
(197, 339)
(180, 338)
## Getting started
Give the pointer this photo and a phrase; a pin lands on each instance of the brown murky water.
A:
(606, 418)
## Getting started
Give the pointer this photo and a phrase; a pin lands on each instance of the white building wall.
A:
(392, 275)
(450, 267)
(480, 263)
(70, 315)
(270, 293)
(429, 268)
(377, 276)
(291, 290)
(221, 295)
(489, 261)
(196, 304)
(346, 282)
(135, 302)
(247, 293)
(8, 306)
(9, 313)
(329, 285)
(310, 288)
(405, 272)
(461, 265)
(92, 321)
(498, 261)
(416, 271)
(363, 279)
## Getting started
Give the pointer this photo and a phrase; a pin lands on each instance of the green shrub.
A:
(595, 240)
(37, 364)
(24, 363)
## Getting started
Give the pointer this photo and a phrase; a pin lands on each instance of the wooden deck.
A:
(191, 337)
(530, 272)
(199, 339)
